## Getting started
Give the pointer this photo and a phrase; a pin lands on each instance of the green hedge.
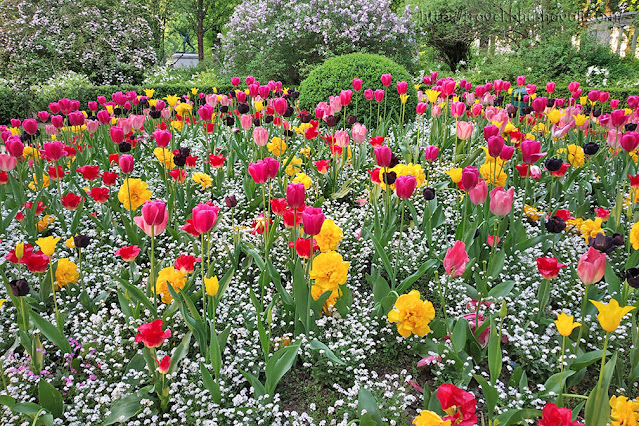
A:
(337, 74)
(15, 104)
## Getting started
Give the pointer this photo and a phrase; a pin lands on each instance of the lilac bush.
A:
(110, 42)
(285, 38)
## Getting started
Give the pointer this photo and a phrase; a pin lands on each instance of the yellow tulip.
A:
(212, 285)
(19, 250)
(47, 245)
(2, 302)
(565, 324)
(610, 314)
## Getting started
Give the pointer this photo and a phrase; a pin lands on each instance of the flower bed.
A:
(231, 259)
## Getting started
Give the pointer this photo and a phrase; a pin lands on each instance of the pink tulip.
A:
(14, 146)
(431, 152)
(205, 112)
(250, 80)
(521, 80)
(260, 136)
(155, 211)
(593, 95)
(633, 101)
(263, 91)
(603, 97)
(341, 138)
(501, 201)
(573, 86)
(295, 193)
(456, 259)
(530, 89)
(92, 126)
(162, 138)
(550, 87)
(103, 117)
(272, 167)
(43, 115)
(30, 126)
(386, 80)
(368, 94)
(421, 108)
(312, 220)
(359, 133)
(235, 81)
(405, 186)
(464, 130)
(457, 109)
(630, 141)
(246, 121)
(204, 217)
(614, 103)
(402, 87)
(357, 84)
(479, 192)
(7, 162)
(253, 90)
(137, 121)
(539, 104)
(54, 107)
(591, 266)
(490, 130)
(530, 151)
(379, 95)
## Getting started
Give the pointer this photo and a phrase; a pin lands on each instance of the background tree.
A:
(206, 16)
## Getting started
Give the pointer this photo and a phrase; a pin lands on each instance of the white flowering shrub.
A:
(60, 84)
(596, 76)
(108, 41)
(280, 39)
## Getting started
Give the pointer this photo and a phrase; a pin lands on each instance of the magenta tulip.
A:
(386, 80)
(383, 156)
(405, 186)
(495, 146)
(258, 171)
(204, 217)
(470, 176)
(357, 84)
(368, 94)
(312, 220)
(431, 152)
(379, 95)
(117, 134)
(126, 163)
(531, 151)
(54, 151)
(295, 193)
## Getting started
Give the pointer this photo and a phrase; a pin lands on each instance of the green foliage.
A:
(337, 74)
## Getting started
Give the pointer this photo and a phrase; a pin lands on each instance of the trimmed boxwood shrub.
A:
(337, 74)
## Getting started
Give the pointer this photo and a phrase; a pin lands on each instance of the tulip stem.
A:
(583, 318)
(152, 275)
(399, 244)
(203, 282)
(55, 302)
(561, 371)
(443, 303)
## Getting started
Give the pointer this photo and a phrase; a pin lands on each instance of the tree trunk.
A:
(200, 29)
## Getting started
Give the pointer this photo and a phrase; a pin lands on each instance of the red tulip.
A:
(186, 264)
(164, 365)
(602, 213)
(89, 172)
(36, 262)
(71, 201)
(405, 186)
(151, 334)
(501, 201)
(128, 253)
(312, 220)
(549, 267)
(56, 173)
(108, 178)
(456, 259)
(99, 195)
(322, 166)
(460, 406)
(591, 266)
(303, 247)
(552, 415)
